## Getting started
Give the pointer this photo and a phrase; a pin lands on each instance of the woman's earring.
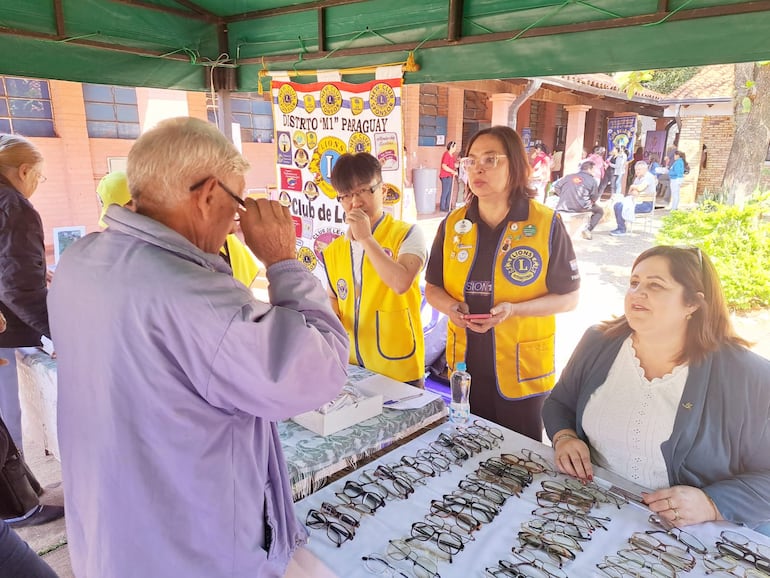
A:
(688, 316)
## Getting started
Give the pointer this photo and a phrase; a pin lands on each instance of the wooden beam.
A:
(682, 15)
(195, 8)
(488, 86)
(455, 21)
(304, 7)
(321, 29)
(4, 30)
(166, 10)
(59, 13)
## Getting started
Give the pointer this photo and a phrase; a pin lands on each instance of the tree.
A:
(752, 131)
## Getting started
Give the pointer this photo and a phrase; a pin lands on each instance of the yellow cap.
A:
(113, 190)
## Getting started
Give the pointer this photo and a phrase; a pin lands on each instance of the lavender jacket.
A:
(171, 376)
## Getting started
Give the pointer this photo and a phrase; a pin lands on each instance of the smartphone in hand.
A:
(471, 316)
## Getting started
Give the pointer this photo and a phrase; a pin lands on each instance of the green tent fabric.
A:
(184, 43)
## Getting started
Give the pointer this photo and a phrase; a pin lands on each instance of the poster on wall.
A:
(314, 125)
(654, 144)
(621, 133)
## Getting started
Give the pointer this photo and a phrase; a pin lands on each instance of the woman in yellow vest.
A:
(500, 269)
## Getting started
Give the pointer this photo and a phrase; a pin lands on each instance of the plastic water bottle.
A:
(460, 408)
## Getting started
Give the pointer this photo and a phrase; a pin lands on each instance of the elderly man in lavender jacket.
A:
(171, 374)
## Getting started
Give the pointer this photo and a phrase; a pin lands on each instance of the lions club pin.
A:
(463, 226)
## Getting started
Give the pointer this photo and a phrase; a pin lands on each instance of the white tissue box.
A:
(325, 424)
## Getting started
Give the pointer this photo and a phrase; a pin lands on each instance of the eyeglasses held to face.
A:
(484, 162)
(237, 198)
(346, 197)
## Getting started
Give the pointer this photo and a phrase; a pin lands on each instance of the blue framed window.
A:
(25, 107)
(252, 112)
(111, 111)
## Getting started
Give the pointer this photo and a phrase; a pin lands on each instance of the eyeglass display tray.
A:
(332, 422)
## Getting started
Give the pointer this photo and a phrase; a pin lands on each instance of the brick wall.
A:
(717, 135)
(690, 143)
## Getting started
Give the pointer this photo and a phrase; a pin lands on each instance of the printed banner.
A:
(314, 125)
(654, 144)
(621, 133)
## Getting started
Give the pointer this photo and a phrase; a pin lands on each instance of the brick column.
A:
(690, 143)
(501, 104)
(576, 126)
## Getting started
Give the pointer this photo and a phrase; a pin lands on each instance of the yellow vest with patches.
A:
(385, 329)
(524, 346)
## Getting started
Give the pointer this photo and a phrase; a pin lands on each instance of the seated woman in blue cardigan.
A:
(668, 397)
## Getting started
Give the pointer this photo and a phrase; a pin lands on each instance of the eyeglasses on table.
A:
(558, 546)
(337, 532)
(533, 462)
(739, 546)
(566, 513)
(570, 529)
(376, 564)
(448, 542)
(423, 567)
(548, 498)
(682, 536)
(526, 566)
(671, 554)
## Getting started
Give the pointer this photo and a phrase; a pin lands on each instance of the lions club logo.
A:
(342, 289)
(306, 256)
(331, 100)
(522, 266)
(382, 99)
(287, 98)
(359, 143)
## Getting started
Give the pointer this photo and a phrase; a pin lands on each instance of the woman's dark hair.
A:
(519, 168)
(450, 144)
(710, 326)
(351, 172)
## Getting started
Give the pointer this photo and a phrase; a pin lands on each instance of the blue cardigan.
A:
(721, 436)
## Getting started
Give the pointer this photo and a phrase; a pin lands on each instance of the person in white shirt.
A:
(643, 189)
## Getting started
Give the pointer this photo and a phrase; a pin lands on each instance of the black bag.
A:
(19, 489)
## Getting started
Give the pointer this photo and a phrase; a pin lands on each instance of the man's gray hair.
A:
(179, 152)
(641, 164)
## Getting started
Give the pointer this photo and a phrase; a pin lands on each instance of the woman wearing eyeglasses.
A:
(500, 269)
(23, 288)
(668, 397)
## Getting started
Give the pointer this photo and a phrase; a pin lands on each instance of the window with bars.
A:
(252, 112)
(111, 111)
(25, 107)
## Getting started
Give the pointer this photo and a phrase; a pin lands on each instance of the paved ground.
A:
(604, 264)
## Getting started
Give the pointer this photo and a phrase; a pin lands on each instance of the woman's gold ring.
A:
(676, 514)
(670, 505)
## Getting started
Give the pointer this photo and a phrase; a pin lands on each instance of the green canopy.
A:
(184, 44)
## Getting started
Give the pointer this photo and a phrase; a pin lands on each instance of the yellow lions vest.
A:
(524, 346)
(242, 262)
(385, 328)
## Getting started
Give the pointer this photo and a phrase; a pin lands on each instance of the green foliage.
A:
(738, 242)
(666, 80)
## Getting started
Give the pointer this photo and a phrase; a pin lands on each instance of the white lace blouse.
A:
(628, 417)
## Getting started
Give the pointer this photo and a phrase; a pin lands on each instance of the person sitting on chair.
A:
(642, 191)
(578, 193)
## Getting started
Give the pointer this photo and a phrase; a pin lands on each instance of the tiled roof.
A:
(712, 82)
(606, 82)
